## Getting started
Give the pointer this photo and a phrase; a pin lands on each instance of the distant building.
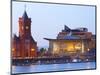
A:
(72, 41)
(24, 46)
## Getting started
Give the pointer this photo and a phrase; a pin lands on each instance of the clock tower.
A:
(24, 25)
(24, 45)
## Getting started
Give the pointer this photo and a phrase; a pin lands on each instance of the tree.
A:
(42, 51)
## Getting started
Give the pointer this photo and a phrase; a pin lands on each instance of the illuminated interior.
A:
(55, 48)
(78, 46)
(69, 46)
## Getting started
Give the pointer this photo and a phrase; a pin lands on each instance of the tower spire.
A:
(25, 7)
(25, 14)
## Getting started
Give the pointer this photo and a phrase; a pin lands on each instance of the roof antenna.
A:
(25, 7)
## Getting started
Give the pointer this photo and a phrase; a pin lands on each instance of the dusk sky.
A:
(49, 19)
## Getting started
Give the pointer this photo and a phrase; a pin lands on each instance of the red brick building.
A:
(24, 46)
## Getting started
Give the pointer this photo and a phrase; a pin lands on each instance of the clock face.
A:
(27, 27)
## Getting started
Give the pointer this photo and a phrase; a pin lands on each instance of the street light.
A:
(88, 49)
(13, 49)
(32, 49)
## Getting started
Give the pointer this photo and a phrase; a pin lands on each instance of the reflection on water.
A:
(53, 67)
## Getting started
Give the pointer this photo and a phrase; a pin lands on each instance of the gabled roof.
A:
(16, 38)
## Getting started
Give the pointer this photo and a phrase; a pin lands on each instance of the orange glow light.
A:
(32, 49)
(13, 49)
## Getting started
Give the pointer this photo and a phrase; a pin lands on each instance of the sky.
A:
(49, 19)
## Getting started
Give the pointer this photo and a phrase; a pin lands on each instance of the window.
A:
(22, 27)
(27, 44)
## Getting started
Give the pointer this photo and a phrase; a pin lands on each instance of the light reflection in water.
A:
(52, 67)
(69, 65)
(88, 65)
(55, 66)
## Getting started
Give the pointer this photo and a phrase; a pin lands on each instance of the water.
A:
(53, 67)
